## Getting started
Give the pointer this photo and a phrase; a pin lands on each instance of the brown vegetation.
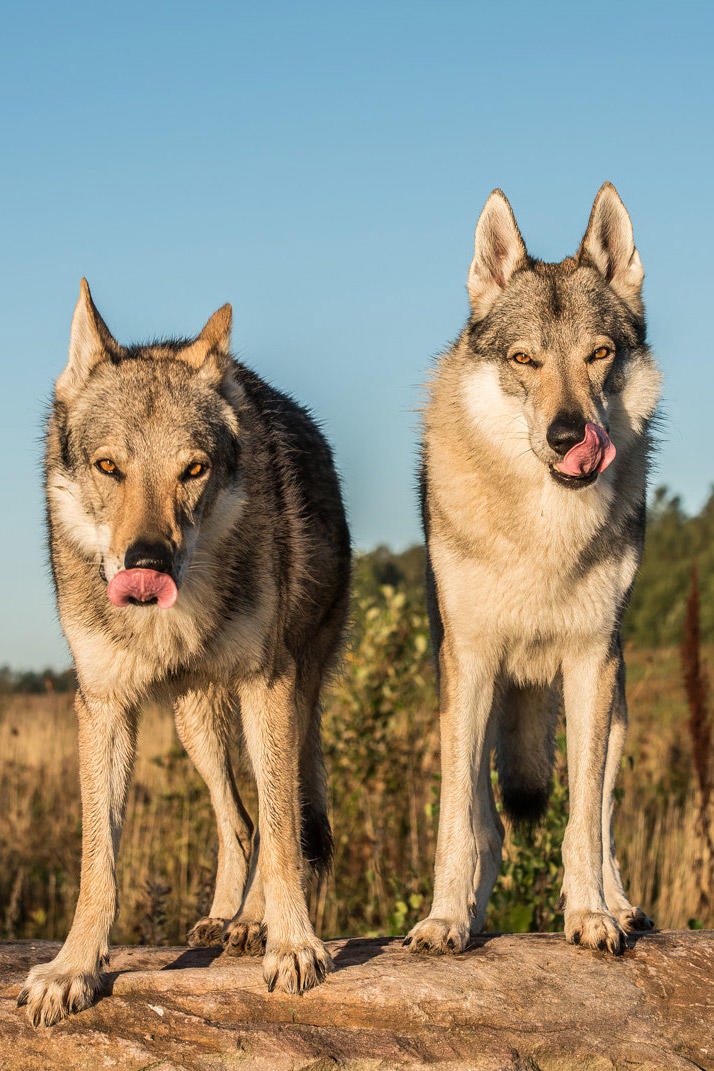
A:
(696, 686)
(382, 749)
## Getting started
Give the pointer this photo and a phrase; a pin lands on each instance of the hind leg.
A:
(245, 934)
(488, 833)
(630, 918)
(272, 709)
(202, 723)
(523, 729)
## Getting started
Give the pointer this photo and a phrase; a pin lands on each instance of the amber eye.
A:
(106, 465)
(601, 353)
(194, 470)
(521, 358)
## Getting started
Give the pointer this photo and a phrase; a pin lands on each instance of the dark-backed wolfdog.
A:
(201, 555)
(535, 457)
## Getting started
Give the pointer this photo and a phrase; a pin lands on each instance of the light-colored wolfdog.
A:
(535, 456)
(201, 556)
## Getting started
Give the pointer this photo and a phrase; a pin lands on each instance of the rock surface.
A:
(519, 1002)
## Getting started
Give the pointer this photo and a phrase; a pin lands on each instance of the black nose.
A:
(567, 430)
(144, 554)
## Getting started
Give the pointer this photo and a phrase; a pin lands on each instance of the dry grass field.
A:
(382, 749)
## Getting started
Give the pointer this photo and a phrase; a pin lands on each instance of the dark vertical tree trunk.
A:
(696, 686)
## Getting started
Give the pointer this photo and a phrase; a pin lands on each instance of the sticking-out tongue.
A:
(142, 585)
(593, 454)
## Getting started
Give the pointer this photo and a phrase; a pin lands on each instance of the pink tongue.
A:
(142, 585)
(593, 454)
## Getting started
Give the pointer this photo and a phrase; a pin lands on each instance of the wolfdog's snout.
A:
(146, 576)
(588, 456)
(566, 431)
(147, 554)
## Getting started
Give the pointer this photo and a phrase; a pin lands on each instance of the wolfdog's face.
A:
(149, 454)
(561, 367)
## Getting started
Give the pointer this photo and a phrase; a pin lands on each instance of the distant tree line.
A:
(674, 543)
(35, 682)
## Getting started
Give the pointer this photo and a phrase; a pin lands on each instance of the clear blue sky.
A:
(322, 167)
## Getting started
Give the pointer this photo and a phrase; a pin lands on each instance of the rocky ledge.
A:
(526, 1002)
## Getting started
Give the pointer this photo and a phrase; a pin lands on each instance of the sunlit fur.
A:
(261, 558)
(528, 579)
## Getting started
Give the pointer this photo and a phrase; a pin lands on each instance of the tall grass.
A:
(382, 751)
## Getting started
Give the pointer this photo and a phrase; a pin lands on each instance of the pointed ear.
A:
(609, 246)
(211, 350)
(498, 251)
(90, 341)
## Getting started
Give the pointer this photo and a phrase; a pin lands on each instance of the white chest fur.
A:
(527, 586)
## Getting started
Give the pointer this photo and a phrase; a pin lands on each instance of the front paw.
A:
(207, 931)
(595, 929)
(52, 991)
(438, 936)
(296, 968)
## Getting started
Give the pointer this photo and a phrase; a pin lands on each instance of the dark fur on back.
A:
(298, 475)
